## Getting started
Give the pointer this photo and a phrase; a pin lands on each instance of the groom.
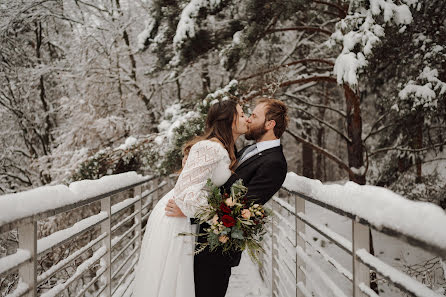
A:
(262, 167)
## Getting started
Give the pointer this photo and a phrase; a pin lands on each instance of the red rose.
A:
(228, 221)
(224, 208)
(226, 195)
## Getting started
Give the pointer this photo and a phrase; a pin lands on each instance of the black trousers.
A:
(211, 279)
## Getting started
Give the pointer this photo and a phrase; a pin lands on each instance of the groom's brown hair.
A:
(276, 110)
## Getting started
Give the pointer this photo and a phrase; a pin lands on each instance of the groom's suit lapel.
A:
(256, 156)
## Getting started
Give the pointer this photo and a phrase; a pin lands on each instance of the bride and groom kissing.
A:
(167, 266)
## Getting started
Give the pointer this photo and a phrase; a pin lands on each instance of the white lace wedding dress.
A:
(165, 267)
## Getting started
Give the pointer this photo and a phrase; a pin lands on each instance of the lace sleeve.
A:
(189, 192)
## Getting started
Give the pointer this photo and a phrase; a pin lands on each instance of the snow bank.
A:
(379, 206)
(366, 33)
(24, 204)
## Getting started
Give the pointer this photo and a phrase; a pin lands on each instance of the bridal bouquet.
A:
(235, 223)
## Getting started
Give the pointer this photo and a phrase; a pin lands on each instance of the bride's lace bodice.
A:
(207, 159)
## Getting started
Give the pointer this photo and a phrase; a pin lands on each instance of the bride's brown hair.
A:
(219, 121)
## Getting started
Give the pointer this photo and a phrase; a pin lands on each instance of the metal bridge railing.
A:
(287, 260)
(112, 254)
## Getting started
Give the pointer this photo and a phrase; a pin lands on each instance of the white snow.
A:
(221, 92)
(368, 33)
(395, 275)
(56, 267)
(187, 25)
(128, 143)
(236, 38)
(8, 262)
(22, 287)
(378, 206)
(28, 203)
(345, 243)
(359, 171)
(423, 92)
(327, 280)
(174, 116)
(145, 34)
(54, 291)
(245, 280)
(55, 238)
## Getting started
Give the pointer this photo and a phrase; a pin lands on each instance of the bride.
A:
(165, 267)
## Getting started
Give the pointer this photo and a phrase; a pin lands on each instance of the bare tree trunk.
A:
(45, 135)
(320, 158)
(354, 132)
(307, 158)
(46, 138)
(139, 91)
(320, 139)
(205, 79)
(355, 154)
(419, 145)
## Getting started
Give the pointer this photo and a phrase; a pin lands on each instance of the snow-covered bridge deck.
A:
(295, 251)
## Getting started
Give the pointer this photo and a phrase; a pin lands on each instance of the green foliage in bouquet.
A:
(235, 223)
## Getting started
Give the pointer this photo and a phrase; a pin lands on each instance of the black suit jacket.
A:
(263, 174)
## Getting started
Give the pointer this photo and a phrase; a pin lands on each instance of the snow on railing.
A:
(126, 200)
(289, 251)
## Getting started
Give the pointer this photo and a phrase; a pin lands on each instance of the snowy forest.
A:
(90, 88)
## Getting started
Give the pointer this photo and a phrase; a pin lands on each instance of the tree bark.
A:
(419, 145)
(355, 153)
(307, 157)
(354, 132)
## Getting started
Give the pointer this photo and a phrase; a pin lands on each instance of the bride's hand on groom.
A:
(172, 209)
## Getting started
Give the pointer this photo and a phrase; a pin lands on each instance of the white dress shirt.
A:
(261, 146)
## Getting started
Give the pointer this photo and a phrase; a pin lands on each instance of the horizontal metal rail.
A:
(393, 232)
(31, 248)
(280, 243)
(52, 212)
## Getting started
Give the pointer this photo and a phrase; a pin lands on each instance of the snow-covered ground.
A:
(246, 281)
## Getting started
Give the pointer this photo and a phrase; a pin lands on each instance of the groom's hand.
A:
(172, 209)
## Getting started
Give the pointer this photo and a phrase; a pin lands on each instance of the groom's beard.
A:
(256, 133)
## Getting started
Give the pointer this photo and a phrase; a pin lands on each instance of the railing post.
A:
(299, 206)
(138, 219)
(106, 228)
(28, 241)
(274, 252)
(361, 273)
